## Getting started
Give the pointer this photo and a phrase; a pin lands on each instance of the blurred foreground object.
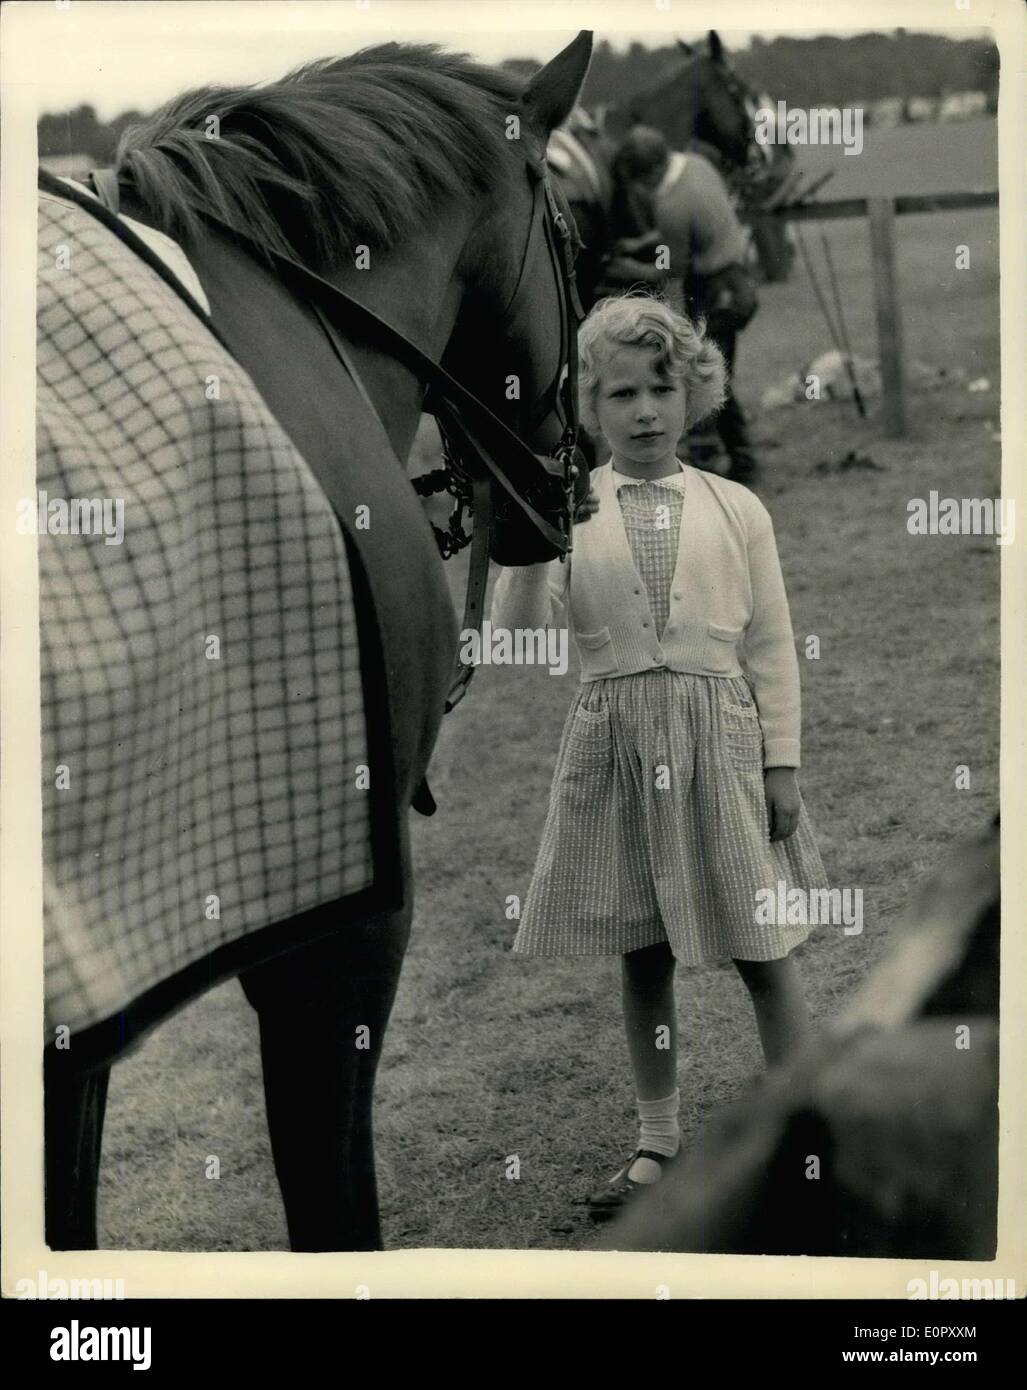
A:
(895, 1101)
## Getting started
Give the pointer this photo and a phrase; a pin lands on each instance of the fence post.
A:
(881, 212)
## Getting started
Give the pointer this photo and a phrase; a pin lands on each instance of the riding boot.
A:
(733, 429)
(322, 1011)
(73, 1112)
(730, 422)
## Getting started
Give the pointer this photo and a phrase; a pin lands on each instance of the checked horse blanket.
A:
(203, 716)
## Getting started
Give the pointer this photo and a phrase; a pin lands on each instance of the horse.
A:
(242, 693)
(705, 106)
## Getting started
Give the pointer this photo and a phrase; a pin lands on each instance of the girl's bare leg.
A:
(778, 998)
(650, 1019)
(650, 1024)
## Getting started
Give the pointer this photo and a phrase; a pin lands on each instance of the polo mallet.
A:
(843, 331)
(834, 334)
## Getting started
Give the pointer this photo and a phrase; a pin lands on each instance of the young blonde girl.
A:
(674, 799)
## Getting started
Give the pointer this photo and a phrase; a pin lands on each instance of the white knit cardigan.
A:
(728, 607)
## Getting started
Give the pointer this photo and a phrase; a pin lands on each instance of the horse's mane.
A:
(338, 153)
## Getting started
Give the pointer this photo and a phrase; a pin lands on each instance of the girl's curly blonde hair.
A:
(683, 351)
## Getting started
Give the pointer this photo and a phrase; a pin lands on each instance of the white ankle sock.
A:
(658, 1131)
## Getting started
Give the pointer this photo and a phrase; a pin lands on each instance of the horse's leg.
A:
(73, 1106)
(314, 1005)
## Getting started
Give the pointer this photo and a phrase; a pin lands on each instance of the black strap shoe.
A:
(612, 1196)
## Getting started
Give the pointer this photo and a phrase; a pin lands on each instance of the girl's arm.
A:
(770, 649)
(534, 596)
(531, 596)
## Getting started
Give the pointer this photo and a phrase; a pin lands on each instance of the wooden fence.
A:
(881, 213)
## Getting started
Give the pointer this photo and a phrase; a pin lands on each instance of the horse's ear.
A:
(716, 48)
(550, 95)
(686, 48)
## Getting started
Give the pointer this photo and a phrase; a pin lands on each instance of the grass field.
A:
(489, 1055)
(925, 157)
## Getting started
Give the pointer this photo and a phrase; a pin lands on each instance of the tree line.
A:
(805, 72)
(825, 70)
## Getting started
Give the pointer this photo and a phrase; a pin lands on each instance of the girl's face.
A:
(641, 412)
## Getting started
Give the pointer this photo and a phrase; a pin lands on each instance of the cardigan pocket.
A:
(598, 657)
(721, 652)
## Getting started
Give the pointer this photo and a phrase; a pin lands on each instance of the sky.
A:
(136, 54)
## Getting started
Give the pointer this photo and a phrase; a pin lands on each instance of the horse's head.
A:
(516, 332)
(703, 101)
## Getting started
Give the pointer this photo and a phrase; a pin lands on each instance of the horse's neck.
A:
(417, 288)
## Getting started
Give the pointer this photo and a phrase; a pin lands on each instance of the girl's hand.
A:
(782, 793)
(587, 501)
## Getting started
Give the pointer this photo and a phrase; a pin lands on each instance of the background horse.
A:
(259, 458)
(703, 106)
(707, 107)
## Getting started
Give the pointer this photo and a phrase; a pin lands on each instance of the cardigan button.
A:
(677, 596)
(645, 624)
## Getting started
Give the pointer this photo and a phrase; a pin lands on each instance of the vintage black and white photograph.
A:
(519, 503)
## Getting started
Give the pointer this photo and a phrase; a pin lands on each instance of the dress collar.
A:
(673, 480)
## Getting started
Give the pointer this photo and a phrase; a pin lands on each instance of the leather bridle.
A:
(561, 395)
(461, 415)
(463, 446)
